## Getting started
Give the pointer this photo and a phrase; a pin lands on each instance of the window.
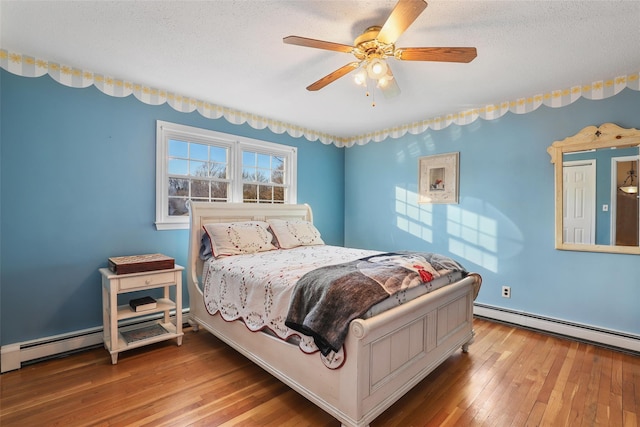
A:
(203, 165)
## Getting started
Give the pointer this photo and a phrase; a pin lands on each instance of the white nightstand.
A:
(114, 284)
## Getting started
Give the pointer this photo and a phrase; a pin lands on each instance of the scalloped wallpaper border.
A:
(28, 66)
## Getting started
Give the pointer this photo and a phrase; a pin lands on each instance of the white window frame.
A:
(236, 145)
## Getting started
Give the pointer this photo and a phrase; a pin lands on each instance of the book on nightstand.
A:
(143, 304)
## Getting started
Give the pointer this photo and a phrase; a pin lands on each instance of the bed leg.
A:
(465, 346)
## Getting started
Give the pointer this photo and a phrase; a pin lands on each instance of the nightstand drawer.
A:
(146, 280)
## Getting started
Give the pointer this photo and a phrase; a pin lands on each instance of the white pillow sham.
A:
(294, 233)
(237, 238)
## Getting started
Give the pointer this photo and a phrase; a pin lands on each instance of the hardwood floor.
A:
(510, 377)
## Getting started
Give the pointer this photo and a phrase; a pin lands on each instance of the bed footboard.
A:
(396, 351)
(386, 355)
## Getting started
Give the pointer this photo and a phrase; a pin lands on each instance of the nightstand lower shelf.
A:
(130, 337)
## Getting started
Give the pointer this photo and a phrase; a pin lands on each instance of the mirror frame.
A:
(606, 136)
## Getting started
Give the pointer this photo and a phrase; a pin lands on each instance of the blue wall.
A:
(78, 186)
(503, 226)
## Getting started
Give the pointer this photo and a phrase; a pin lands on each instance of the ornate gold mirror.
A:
(596, 185)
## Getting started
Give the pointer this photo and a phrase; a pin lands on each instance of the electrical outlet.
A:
(506, 291)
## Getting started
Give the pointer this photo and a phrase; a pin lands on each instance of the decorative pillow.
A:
(294, 233)
(236, 238)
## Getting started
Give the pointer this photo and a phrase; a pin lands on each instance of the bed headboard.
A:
(201, 213)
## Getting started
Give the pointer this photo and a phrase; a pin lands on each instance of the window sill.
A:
(173, 225)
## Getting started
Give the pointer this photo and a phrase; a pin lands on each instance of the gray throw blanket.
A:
(327, 299)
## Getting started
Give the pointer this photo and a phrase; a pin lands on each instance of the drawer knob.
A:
(147, 281)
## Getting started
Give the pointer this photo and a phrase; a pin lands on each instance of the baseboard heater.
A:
(603, 337)
(13, 356)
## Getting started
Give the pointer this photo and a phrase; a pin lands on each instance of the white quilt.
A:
(257, 287)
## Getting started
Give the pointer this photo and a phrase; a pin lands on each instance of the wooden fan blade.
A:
(440, 54)
(318, 44)
(332, 77)
(391, 88)
(403, 15)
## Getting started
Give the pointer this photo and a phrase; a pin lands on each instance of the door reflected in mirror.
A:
(579, 200)
(625, 226)
(596, 209)
(597, 203)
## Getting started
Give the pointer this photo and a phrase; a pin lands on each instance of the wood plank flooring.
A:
(510, 377)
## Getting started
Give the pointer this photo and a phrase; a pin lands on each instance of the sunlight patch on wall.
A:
(471, 236)
(472, 228)
(413, 218)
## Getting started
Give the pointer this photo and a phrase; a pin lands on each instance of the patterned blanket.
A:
(327, 299)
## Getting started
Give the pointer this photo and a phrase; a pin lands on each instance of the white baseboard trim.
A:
(12, 356)
(581, 332)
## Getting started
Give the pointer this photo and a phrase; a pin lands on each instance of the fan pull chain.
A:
(367, 92)
(373, 98)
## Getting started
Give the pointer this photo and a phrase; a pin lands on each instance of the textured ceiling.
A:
(231, 53)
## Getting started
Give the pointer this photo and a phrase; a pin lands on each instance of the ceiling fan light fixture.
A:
(360, 77)
(384, 80)
(377, 68)
(377, 43)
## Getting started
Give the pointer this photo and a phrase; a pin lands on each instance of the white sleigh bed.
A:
(386, 355)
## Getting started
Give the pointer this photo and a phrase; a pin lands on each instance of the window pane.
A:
(178, 167)
(264, 161)
(218, 154)
(218, 170)
(199, 151)
(219, 190)
(249, 159)
(178, 148)
(277, 163)
(178, 187)
(266, 193)
(277, 177)
(199, 188)
(249, 192)
(262, 175)
(197, 168)
(278, 194)
(249, 174)
(178, 206)
(260, 167)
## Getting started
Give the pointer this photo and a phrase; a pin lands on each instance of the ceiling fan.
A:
(377, 43)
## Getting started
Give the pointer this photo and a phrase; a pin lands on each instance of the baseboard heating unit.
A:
(603, 337)
(13, 356)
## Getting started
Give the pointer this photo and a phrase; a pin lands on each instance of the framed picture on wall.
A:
(438, 178)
